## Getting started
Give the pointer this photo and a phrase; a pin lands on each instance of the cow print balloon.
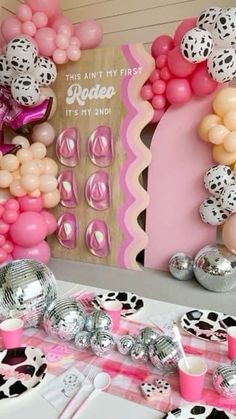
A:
(208, 17)
(6, 73)
(196, 45)
(228, 199)
(224, 32)
(45, 72)
(21, 55)
(25, 90)
(217, 178)
(221, 64)
(211, 212)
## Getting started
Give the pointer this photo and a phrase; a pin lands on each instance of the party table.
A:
(105, 406)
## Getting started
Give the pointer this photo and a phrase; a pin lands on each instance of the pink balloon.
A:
(62, 20)
(8, 246)
(162, 45)
(43, 133)
(40, 252)
(2, 209)
(178, 91)
(46, 40)
(146, 92)
(3, 255)
(165, 74)
(12, 204)
(158, 102)
(159, 87)
(2, 240)
(65, 30)
(155, 75)
(23, 12)
(178, 65)
(29, 28)
(40, 19)
(184, 27)
(201, 82)
(73, 53)
(29, 229)
(28, 203)
(11, 27)
(59, 56)
(4, 227)
(89, 33)
(49, 7)
(161, 61)
(10, 216)
(62, 41)
(75, 41)
(50, 221)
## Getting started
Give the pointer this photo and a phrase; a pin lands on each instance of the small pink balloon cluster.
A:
(53, 33)
(174, 79)
(24, 226)
(30, 172)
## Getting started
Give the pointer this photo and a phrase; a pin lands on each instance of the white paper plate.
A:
(198, 411)
(131, 302)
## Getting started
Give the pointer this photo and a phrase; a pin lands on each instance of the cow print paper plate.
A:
(207, 325)
(21, 369)
(131, 303)
(198, 411)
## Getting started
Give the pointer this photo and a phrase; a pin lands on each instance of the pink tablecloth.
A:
(126, 375)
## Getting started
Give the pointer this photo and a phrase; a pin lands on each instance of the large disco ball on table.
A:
(27, 287)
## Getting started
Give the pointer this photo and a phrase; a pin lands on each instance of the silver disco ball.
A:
(27, 287)
(164, 353)
(224, 380)
(64, 318)
(215, 268)
(181, 266)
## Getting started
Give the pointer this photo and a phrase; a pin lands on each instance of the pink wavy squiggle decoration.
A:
(139, 114)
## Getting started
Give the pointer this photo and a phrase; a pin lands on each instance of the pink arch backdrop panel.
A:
(175, 185)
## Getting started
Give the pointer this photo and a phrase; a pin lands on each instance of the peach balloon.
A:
(206, 123)
(51, 199)
(43, 133)
(230, 142)
(230, 120)
(29, 168)
(221, 156)
(16, 174)
(38, 150)
(35, 194)
(21, 141)
(16, 189)
(40, 164)
(30, 182)
(224, 100)
(9, 162)
(217, 133)
(229, 233)
(4, 195)
(5, 178)
(45, 93)
(50, 166)
(24, 155)
(47, 183)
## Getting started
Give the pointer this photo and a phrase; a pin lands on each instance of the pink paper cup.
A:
(113, 309)
(11, 332)
(231, 339)
(191, 380)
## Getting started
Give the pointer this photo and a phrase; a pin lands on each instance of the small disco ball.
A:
(181, 266)
(125, 344)
(27, 287)
(224, 380)
(102, 343)
(64, 318)
(164, 353)
(98, 320)
(147, 336)
(82, 340)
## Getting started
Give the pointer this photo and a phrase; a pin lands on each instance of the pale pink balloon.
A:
(59, 56)
(46, 93)
(40, 252)
(29, 28)
(31, 204)
(89, 33)
(60, 21)
(29, 229)
(23, 12)
(11, 27)
(73, 53)
(75, 41)
(62, 41)
(43, 133)
(65, 30)
(38, 150)
(49, 7)
(50, 221)
(10, 216)
(46, 40)
(40, 19)
(51, 199)
(184, 27)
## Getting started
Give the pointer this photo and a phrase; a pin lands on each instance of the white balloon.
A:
(25, 90)
(224, 31)
(221, 64)
(6, 74)
(211, 211)
(217, 178)
(228, 198)
(208, 17)
(45, 72)
(21, 55)
(196, 45)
